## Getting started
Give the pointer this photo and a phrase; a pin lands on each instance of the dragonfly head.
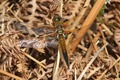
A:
(57, 18)
(57, 21)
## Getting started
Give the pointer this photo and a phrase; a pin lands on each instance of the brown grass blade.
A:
(11, 75)
(87, 23)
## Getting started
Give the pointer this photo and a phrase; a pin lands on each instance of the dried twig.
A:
(100, 77)
(61, 7)
(56, 66)
(77, 20)
(107, 29)
(11, 75)
(87, 23)
(27, 55)
(92, 60)
(91, 47)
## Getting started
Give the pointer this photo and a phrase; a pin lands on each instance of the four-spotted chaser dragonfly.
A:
(57, 22)
(60, 33)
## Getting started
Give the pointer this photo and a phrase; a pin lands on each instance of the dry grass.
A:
(28, 46)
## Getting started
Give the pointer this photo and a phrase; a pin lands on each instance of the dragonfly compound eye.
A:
(56, 18)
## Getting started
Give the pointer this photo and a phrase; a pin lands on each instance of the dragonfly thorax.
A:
(60, 30)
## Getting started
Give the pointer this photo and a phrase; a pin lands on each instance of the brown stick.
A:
(11, 75)
(87, 23)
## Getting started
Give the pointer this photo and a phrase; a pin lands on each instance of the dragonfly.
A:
(60, 33)
(58, 24)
